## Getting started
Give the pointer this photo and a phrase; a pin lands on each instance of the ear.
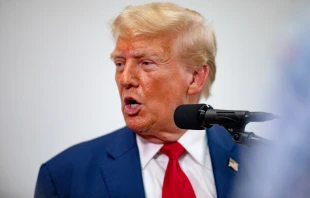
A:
(200, 76)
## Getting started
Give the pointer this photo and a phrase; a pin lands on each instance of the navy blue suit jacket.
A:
(109, 166)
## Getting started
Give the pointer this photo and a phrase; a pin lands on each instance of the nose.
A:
(129, 76)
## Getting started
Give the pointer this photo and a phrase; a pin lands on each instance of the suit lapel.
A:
(221, 149)
(122, 172)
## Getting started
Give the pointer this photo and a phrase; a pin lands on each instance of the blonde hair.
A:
(193, 40)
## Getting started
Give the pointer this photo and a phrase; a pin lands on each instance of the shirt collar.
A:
(147, 150)
(194, 142)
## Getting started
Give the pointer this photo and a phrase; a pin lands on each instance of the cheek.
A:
(166, 88)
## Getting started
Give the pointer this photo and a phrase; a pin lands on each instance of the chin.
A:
(136, 125)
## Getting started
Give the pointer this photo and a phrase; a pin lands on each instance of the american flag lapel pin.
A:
(233, 164)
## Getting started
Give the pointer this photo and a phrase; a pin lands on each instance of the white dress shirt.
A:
(196, 164)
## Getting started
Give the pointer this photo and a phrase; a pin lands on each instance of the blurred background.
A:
(57, 82)
(282, 169)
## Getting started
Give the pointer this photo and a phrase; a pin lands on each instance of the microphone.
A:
(201, 116)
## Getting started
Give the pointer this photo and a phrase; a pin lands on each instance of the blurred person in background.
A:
(164, 57)
(282, 170)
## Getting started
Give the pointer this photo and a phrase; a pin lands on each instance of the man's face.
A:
(151, 83)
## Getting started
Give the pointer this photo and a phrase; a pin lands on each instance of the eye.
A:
(118, 63)
(147, 63)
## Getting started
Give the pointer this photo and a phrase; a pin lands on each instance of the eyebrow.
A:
(116, 54)
(136, 54)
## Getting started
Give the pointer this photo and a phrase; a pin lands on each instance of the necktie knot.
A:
(176, 184)
(173, 150)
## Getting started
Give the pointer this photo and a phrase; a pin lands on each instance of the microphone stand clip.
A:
(235, 124)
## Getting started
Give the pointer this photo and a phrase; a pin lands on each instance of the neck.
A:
(163, 137)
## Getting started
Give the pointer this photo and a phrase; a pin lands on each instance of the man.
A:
(164, 57)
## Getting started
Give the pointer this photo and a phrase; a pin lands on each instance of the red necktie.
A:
(176, 184)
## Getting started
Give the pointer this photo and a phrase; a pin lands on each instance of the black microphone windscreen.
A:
(186, 116)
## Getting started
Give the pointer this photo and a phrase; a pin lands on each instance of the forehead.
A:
(142, 46)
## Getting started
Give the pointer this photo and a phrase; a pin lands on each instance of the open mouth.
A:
(132, 106)
(132, 103)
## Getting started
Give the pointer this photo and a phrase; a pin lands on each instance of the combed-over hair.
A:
(194, 40)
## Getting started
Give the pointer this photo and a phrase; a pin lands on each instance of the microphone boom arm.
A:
(234, 123)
